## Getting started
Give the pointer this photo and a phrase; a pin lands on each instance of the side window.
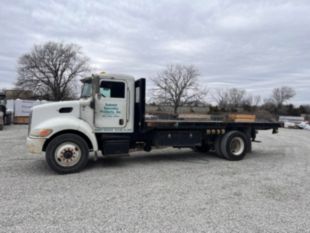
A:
(112, 89)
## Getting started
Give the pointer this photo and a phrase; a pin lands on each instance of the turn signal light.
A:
(41, 132)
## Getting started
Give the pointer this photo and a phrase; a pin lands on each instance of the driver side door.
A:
(111, 106)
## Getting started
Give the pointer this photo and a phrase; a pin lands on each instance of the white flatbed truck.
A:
(109, 118)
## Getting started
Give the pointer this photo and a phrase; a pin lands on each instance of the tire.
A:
(217, 146)
(235, 145)
(67, 153)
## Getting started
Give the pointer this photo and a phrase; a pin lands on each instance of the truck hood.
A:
(46, 111)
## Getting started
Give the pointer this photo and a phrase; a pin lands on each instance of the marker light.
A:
(41, 132)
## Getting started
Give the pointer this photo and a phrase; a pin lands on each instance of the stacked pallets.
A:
(21, 119)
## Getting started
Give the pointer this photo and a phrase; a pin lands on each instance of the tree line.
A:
(51, 71)
(178, 85)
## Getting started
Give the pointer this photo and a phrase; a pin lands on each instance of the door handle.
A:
(121, 121)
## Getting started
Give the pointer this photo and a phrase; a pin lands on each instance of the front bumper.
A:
(35, 145)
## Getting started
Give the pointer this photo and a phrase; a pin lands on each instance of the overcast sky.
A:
(255, 45)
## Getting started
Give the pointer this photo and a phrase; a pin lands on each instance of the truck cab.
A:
(102, 120)
(110, 108)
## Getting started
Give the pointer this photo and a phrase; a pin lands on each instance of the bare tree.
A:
(236, 97)
(251, 102)
(230, 99)
(177, 85)
(221, 97)
(233, 98)
(51, 70)
(304, 109)
(281, 95)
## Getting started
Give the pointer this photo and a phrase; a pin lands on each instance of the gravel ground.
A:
(167, 190)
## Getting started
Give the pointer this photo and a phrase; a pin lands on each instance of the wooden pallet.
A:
(23, 120)
(241, 117)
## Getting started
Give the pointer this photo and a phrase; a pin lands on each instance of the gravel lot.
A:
(167, 190)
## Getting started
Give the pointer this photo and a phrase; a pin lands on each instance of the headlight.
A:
(41, 133)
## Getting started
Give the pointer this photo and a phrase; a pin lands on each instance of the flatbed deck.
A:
(206, 124)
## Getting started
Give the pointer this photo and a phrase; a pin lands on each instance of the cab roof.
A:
(106, 75)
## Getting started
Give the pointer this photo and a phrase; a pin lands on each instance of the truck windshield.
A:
(86, 90)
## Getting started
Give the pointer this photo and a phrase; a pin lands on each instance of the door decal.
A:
(110, 110)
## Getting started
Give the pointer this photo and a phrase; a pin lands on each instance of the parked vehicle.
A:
(2, 109)
(110, 118)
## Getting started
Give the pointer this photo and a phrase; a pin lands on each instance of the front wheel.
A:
(67, 153)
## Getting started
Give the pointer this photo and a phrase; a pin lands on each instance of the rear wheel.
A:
(217, 146)
(67, 153)
(235, 145)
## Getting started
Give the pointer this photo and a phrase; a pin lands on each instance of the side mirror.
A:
(96, 84)
(92, 104)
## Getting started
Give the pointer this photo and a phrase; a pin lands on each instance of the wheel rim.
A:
(67, 154)
(237, 146)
